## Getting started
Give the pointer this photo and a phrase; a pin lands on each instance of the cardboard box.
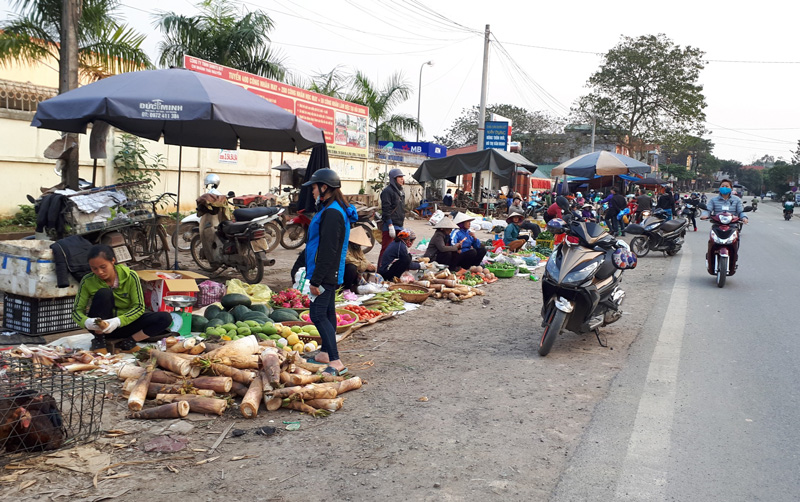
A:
(156, 284)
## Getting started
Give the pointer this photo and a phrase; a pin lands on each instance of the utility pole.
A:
(71, 11)
(482, 112)
(594, 126)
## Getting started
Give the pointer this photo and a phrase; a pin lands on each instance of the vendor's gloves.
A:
(91, 325)
(113, 324)
(392, 232)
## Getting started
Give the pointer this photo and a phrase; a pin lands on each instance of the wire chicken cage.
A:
(44, 408)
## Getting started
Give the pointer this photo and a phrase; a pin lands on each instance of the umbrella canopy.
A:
(601, 163)
(184, 107)
(502, 164)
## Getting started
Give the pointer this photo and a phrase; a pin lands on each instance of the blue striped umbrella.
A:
(600, 163)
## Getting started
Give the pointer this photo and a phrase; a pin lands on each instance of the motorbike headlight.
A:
(719, 240)
(652, 226)
(578, 276)
(552, 267)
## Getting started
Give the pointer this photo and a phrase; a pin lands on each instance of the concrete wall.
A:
(24, 169)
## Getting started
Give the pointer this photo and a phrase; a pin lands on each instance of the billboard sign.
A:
(431, 150)
(495, 135)
(344, 123)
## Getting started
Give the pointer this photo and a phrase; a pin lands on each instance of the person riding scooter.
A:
(725, 202)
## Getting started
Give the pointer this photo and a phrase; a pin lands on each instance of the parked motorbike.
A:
(222, 243)
(190, 225)
(296, 230)
(788, 210)
(724, 245)
(581, 282)
(656, 233)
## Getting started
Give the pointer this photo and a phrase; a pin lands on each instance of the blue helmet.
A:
(556, 226)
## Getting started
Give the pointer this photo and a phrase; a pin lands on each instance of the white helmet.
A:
(211, 179)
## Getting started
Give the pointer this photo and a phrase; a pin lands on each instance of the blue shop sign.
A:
(431, 150)
(495, 135)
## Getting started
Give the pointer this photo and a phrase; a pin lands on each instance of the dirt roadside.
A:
(457, 405)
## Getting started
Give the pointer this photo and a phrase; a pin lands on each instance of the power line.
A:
(742, 132)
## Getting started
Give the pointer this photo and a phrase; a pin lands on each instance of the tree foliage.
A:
(219, 34)
(105, 47)
(647, 90)
(526, 125)
(384, 125)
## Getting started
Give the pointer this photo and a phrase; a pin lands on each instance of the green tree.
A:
(336, 83)
(777, 177)
(526, 125)
(220, 35)
(647, 89)
(105, 47)
(384, 125)
(752, 179)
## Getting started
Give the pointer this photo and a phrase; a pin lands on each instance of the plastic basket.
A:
(544, 243)
(503, 273)
(38, 316)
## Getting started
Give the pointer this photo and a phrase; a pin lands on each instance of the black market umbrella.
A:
(184, 108)
(318, 160)
(600, 163)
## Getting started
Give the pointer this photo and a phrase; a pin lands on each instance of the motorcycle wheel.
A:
(273, 236)
(179, 241)
(294, 236)
(639, 246)
(555, 323)
(722, 271)
(253, 273)
(196, 247)
(367, 229)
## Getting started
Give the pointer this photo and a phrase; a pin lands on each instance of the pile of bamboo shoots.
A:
(183, 379)
(444, 285)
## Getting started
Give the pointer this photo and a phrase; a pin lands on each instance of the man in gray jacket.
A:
(393, 208)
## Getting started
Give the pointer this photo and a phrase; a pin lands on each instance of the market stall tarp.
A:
(502, 164)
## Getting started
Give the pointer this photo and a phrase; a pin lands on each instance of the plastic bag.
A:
(437, 217)
(499, 223)
(300, 282)
(407, 277)
(258, 293)
(370, 288)
(485, 225)
(475, 225)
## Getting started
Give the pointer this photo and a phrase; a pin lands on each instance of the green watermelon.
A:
(234, 299)
(239, 312)
(212, 311)
(261, 307)
(199, 323)
(226, 317)
(282, 315)
(256, 316)
(213, 323)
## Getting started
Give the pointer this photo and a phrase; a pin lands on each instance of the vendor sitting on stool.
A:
(439, 248)
(472, 252)
(397, 259)
(110, 304)
(355, 263)
(511, 236)
(447, 200)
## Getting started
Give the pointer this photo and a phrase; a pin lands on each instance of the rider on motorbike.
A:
(212, 180)
(725, 202)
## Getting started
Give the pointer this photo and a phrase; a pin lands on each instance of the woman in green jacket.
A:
(110, 304)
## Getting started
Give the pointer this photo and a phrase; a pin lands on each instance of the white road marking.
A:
(643, 476)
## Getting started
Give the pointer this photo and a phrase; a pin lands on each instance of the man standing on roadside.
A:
(643, 203)
(667, 203)
(393, 208)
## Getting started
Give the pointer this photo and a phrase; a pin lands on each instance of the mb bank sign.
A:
(431, 150)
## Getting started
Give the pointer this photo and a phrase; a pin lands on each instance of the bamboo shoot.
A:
(198, 349)
(243, 346)
(183, 345)
(171, 410)
(139, 390)
(241, 376)
(252, 400)
(271, 368)
(172, 362)
(327, 404)
(219, 384)
(197, 404)
(239, 389)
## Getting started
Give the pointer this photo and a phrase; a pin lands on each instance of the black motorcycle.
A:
(581, 281)
(657, 233)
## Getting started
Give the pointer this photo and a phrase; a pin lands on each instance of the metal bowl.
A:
(180, 300)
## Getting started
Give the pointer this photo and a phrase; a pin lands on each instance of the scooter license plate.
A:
(259, 245)
(122, 254)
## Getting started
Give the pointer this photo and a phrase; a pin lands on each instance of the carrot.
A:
(171, 410)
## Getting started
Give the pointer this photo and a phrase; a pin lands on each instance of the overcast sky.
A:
(750, 81)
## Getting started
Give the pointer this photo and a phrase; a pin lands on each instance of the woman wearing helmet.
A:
(212, 180)
(326, 248)
(397, 259)
(557, 209)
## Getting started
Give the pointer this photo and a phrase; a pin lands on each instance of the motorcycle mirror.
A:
(231, 194)
(702, 206)
(31, 199)
(747, 209)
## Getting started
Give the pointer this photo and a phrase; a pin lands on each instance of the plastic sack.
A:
(436, 217)
(300, 282)
(210, 292)
(485, 225)
(474, 226)
(407, 277)
(499, 223)
(258, 293)
(370, 288)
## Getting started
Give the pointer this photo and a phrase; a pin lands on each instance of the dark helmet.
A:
(556, 226)
(562, 202)
(326, 177)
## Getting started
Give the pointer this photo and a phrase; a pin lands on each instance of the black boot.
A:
(99, 343)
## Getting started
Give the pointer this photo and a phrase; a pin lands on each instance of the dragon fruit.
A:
(291, 298)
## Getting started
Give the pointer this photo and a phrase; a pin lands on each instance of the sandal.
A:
(330, 370)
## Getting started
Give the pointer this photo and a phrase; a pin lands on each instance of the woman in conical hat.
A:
(355, 262)
(439, 248)
(472, 252)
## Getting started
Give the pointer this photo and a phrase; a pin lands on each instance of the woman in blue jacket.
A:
(472, 252)
(328, 234)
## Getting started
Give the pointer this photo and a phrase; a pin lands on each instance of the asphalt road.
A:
(707, 405)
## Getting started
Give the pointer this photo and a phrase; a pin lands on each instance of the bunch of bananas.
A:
(388, 301)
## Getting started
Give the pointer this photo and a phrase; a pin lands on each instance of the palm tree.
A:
(385, 126)
(105, 47)
(219, 35)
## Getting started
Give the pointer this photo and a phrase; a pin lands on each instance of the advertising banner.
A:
(431, 150)
(344, 123)
(495, 135)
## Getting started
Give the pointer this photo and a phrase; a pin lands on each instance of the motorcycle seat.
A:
(229, 227)
(674, 224)
(251, 213)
